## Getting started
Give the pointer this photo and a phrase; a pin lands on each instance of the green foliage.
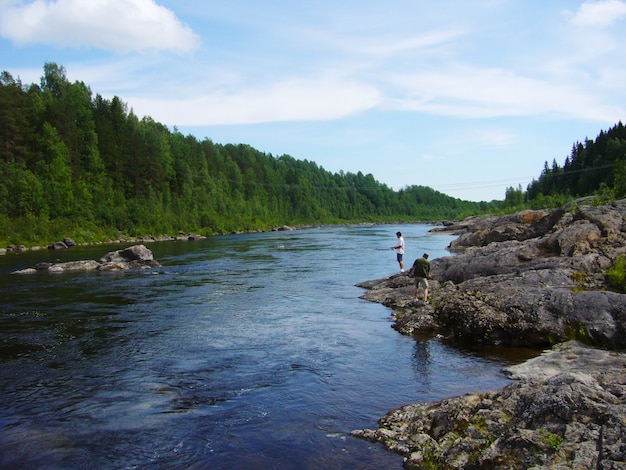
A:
(580, 278)
(82, 166)
(551, 439)
(597, 166)
(514, 197)
(620, 179)
(578, 333)
(615, 276)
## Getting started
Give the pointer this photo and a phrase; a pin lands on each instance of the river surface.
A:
(242, 352)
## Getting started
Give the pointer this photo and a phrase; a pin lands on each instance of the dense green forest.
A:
(78, 165)
(74, 164)
(595, 167)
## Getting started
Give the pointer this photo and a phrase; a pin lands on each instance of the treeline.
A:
(593, 167)
(79, 165)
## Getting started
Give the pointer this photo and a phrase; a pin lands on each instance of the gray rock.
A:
(25, 271)
(284, 228)
(43, 266)
(132, 253)
(566, 410)
(531, 279)
(114, 266)
(17, 249)
(541, 284)
(134, 257)
(57, 246)
(195, 236)
(74, 266)
(69, 242)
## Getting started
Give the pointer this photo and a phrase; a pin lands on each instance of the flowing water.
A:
(241, 352)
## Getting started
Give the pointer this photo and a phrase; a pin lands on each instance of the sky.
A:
(468, 98)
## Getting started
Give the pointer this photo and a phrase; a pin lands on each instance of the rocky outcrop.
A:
(531, 279)
(133, 257)
(566, 410)
(542, 285)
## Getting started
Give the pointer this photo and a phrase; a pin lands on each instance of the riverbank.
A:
(68, 242)
(533, 279)
(122, 239)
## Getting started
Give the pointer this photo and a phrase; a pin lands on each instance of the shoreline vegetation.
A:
(68, 242)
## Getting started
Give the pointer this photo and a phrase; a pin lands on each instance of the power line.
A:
(492, 183)
(444, 187)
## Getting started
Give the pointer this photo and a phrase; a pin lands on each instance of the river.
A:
(245, 351)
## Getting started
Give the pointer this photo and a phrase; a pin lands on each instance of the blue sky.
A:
(468, 98)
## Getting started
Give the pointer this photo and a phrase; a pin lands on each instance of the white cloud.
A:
(600, 13)
(479, 93)
(117, 25)
(289, 100)
(392, 46)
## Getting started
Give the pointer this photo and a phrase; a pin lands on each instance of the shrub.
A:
(615, 276)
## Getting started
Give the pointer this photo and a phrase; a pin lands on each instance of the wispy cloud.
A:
(600, 13)
(116, 25)
(464, 91)
(287, 100)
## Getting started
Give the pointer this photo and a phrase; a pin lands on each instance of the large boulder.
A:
(69, 242)
(532, 308)
(132, 253)
(133, 257)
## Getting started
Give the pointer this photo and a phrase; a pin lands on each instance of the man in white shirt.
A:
(399, 251)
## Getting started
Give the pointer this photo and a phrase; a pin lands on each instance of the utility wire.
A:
(444, 187)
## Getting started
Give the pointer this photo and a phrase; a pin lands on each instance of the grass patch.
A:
(551, 439)
(615, 276)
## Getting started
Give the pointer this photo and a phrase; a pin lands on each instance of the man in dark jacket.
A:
(421, 272)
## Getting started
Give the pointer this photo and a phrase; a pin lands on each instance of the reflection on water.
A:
(248, 351)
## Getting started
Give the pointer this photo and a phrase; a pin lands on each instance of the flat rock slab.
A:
(573, 358)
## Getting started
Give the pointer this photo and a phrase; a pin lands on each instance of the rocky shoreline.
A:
(533, 279)
(122, 239)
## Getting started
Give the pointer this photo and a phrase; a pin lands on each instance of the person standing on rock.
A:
(399, 251)
(421, 272)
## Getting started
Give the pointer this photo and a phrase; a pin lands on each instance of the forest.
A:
(79, 165)
(595, 167)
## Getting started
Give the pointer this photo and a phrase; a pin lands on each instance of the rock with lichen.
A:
(565, 409)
